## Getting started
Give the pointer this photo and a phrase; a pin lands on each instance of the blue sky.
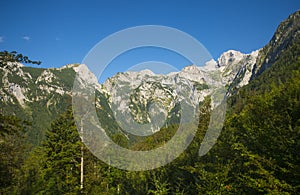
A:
(63, 32)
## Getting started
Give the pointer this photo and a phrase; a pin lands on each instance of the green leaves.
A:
(13, 56)
(12, 151)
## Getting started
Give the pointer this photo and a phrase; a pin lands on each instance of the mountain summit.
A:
(40, 95)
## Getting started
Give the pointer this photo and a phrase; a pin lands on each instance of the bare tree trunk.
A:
(81, 169)
(81, 160)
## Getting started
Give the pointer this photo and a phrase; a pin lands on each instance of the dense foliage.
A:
(12, 148)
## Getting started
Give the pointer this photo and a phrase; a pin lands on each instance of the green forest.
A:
(258, 151)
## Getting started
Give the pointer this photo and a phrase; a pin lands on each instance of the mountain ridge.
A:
(23, 88)
(39, 95)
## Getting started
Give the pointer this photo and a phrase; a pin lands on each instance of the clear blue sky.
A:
(62, 32)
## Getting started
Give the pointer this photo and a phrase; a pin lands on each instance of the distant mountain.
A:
(40, 95)
(35, 94)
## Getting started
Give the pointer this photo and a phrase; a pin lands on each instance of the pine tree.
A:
(12, 151)
(62, 157)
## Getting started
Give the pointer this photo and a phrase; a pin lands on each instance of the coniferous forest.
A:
(256, 153)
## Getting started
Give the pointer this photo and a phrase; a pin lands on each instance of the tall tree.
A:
(62, 157)
(12, 150)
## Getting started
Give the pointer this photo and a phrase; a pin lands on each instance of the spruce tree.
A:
(61, 157)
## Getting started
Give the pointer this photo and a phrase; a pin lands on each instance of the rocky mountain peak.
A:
(211, 65)
(230, 57)
(193, 69)
(146, 72)
(286, 35)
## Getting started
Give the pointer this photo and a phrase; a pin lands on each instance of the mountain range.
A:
(40, 95)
